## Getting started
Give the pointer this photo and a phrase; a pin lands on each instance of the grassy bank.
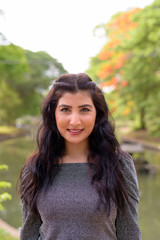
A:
(7, 132)
(141, 135)
(6, 236)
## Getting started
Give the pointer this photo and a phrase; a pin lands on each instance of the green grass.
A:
(11, 131)
(4, 235)
(8, 130)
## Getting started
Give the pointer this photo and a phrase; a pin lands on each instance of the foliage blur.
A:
(25, 76)
(128, 67)
(3, 184)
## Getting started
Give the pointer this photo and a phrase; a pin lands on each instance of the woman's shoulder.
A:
(125, 160)
(124, 155)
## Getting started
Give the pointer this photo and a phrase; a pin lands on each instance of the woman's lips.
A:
(75, 131)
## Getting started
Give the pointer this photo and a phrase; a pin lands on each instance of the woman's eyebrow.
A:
(81, 106)
(85, 105)
(64, 105)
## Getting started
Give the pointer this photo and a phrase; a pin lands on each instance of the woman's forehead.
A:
(82, 97)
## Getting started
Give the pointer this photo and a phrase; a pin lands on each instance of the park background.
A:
(118, 46)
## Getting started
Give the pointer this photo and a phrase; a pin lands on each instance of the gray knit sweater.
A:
(68, 209)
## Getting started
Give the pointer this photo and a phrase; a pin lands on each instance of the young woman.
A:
(78, 185)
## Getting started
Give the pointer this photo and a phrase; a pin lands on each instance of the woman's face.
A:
(75, 116)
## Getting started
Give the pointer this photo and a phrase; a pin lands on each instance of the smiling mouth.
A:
(74, 131)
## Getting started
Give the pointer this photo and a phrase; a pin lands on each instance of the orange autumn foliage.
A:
(105, 70)
(104, 55)
(118, 30)
(123, 21)
(124, 83)
(126, 111)
(113, 110)
(105, 84)
(119, 61)
(111, 101)
(112, 82)
(114, 43)
(110, 67)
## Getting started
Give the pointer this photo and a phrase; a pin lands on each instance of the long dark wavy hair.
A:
(104, 161)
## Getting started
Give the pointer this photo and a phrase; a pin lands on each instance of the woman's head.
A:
(73, 83)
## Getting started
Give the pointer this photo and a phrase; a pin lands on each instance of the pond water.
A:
(14, 153)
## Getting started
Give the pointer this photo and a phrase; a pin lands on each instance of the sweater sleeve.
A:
(31, 225)
(127, 227)
(31, 222)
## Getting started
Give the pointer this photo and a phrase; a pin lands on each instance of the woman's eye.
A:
(85, 110)
(65, 110)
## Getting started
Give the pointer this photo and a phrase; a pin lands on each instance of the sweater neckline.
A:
(74, 164)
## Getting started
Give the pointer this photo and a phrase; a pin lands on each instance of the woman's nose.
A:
(75, 119)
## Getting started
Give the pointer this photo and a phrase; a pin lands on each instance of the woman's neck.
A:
(75, 153)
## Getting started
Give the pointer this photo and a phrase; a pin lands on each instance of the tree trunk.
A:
(142, 119)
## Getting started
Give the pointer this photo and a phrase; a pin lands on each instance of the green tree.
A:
(24, 77)
(13, 67)
(107, 67)
(43, 69)
(130, 63)
(10, 103)
(142, 71)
